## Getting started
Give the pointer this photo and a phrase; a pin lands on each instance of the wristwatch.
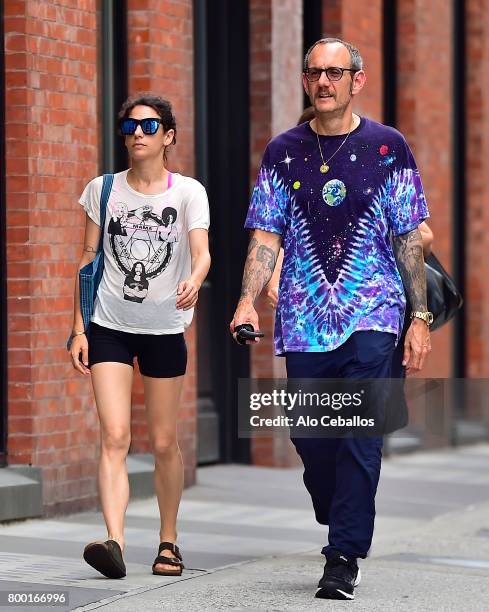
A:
(426, 316)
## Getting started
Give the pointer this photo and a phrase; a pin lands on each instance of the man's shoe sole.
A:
(333, 592)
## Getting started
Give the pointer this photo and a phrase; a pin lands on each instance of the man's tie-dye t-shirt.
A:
(339, 273)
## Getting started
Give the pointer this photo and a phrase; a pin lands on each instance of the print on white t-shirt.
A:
(147, 253)
(142, 244)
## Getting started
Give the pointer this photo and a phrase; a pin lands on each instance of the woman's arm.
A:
(80, 343)
(427, 237)
(272, 287)
(188, 290)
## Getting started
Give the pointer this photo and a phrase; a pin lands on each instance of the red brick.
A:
(43, 158)
(424, 117)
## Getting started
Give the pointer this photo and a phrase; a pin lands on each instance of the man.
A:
(342, 194)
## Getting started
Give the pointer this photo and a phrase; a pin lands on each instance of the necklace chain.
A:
(324, 166)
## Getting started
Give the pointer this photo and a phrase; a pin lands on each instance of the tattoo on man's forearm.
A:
(266, 255)
(258, 269)
(408, 249)
(252, 245)
(89, 249)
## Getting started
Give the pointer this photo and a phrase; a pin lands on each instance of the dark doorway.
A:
(312, 28)
(221, 31)
(389, 55)
(113, 60)
(459, 138)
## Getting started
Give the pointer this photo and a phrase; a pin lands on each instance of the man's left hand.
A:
(416, 346)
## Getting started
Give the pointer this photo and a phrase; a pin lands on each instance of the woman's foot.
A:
(106, 558)
(169, 560)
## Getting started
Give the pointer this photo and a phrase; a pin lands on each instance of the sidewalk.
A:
(250, 543)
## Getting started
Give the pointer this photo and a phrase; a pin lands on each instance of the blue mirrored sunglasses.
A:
(149, 126)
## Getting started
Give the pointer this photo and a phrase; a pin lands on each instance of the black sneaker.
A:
(341, 576)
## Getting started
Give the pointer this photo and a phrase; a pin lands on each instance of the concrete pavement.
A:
(250, 543)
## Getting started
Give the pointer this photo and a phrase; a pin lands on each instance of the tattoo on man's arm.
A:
(89, 249)
(258, 270)
(266, 255)
(252, 245)
(408, 249)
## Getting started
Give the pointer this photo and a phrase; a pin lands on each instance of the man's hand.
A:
(416, 346)
(245, 313)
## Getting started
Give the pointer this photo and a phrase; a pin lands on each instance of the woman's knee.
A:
(165, 447)
(116, 439)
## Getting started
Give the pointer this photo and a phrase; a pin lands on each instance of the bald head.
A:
(354, 57)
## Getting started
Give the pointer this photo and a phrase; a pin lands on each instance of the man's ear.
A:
(305, 84)
(359, 80)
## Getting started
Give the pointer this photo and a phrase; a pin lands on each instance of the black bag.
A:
(444, 299)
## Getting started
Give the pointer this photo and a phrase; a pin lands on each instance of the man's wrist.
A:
(246, 300)
(423, 316)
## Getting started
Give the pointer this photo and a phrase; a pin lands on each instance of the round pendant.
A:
(324, 168)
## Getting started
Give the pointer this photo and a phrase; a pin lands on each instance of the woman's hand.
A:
(272, 295)
(80, 345)
(188, 290)
(187, 294)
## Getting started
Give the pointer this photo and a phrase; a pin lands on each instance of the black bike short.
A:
(159, 356)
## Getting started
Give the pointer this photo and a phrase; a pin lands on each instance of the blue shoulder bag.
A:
(91, 274)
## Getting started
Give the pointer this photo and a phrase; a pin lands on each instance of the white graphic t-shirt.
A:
(147, 253)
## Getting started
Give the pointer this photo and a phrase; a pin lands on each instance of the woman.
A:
(144, 302)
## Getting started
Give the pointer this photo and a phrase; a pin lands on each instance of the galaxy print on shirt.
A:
(339, 273)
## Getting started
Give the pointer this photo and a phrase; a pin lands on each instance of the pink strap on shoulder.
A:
(169, 179)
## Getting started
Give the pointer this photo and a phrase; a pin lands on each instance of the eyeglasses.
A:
(333, 73)
(149, 126)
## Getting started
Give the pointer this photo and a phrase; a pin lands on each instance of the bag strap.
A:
(104, 198)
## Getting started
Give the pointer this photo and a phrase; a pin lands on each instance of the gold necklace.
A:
(324, 166)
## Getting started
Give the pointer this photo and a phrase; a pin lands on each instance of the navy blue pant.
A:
(341, 474)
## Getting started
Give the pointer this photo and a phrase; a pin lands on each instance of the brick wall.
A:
(424, 117)
(160, 59)
(360, 23)
(51, 147)
(477, 168)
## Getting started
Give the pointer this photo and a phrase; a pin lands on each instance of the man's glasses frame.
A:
(149, 126)
(333, 73)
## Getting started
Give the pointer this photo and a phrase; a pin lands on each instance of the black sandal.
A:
(177, 560)
(106, 558)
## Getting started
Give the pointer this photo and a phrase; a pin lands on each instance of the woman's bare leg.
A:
(162, 399)
(112, 386)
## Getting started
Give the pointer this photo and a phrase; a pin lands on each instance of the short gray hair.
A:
(356, 60)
